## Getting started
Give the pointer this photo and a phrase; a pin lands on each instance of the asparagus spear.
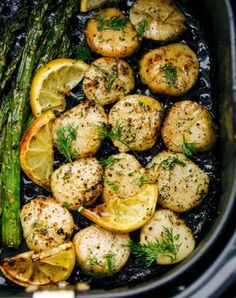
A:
(11, 232)
(12, 27)
(56, 35)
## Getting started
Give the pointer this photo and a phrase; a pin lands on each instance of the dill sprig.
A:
(150, 251)
(188, 149)
(142, 27)
(93, 261)
(83, 52)
(109, 162)
(170, 74)
(113, 185)
(110, 258)
(116, 23)
(169, 16)
(111, 79)
(65, 136)
(170, 162)
(142, 180)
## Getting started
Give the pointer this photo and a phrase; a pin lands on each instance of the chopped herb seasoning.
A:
(110, 257)
(111, 79)
(150, 251)
(109, 162)
(113, 185)
(94, 261)
(116, 23)
(142, 180)
(188, 149)
(65, 136)
(66, 204)
(83, 52)
(142, 27)
(170, 74)
(170, 162)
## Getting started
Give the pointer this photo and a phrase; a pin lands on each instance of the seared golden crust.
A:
(85, 118)
(110, 42)
(188, 122)
(164, 20)
(78, 183)
(170, 70)
(45, 223)
(100, 252)
(182, 184)
(139, 118)
(108, 80)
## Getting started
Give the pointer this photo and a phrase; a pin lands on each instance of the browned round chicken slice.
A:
(157, 19)
(110, 34)
(108, 80)
(170, 70)
(188, 128)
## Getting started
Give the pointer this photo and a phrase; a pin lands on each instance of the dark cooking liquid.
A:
(197, 219)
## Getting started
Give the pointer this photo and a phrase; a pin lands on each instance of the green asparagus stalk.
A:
(10, 29)
(4, 110)
(11, 232)
(57, 33)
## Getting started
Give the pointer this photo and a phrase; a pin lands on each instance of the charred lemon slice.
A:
(36, 150)
(50, 266)
(86, 5)
(52, 82)
(125, 215)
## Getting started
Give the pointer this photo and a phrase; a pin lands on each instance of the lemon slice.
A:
(50, 266)
(52, 82)
(86, 5)
(36, 150)
(125, 215)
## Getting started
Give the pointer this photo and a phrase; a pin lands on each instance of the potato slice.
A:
(124, 215)
(188, 127)
(100, 252)
(157, 19)
(170, 70)
(176, 238)
(182, 184)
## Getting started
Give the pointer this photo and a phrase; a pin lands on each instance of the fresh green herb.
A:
(94, 261)
(110, 257)
(109, 162)
(111, 79)
(112, 184)
(116, 23)
(142, 180)
(169, 16)
(83, 52)
(35, 223)
(142, 27)
(150, 251)
(142, 105)
(170, 74)
(65, 136)
(66, 204)
(80, 98)
(170, 162)
(188, 149)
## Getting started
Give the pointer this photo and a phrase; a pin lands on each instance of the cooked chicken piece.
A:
(182, 184)
(188, 126)
(123, 176)
(138, 119)
(45, 223)
(78, 183)
(108, 80)
(157, 19)
(170, 70)
(110, 34)
(79, 126)
(176, 238)
(100, 252)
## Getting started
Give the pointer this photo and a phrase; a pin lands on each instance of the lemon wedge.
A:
(125, 215)
(86, 5)
(50, 266)
(52, 82)
(36, 150)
